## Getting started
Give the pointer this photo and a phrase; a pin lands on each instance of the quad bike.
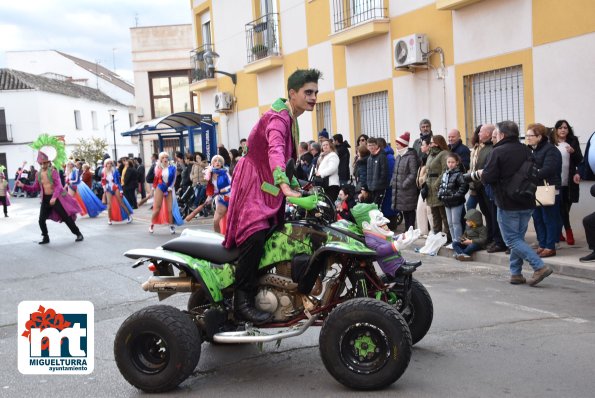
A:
(364, 342)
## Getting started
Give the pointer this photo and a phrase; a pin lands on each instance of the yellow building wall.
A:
(339, 67)
(555, 20)
(318, 21)
(293, 61)
(382, 85)
(524, 58)
(436, 24)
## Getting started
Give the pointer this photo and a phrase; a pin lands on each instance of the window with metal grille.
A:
(324, 117)
(494, 96)
(370, 115)
(347, 13)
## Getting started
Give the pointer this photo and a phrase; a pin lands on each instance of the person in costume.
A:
(118, 208)
(56, 204)
(4, 191)
(219, 187)
(260, 186)
(380, 238)
(165, 205)
(89, 202)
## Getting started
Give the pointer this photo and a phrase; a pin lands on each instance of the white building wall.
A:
(321, 58)
(564, 83)
(31, 113)
(271, 85)
(420, 96)
(293, 25)
(491, 28)
(305, 123)
(247, 119)
(400, 7)
(229, 36)
(368, 60)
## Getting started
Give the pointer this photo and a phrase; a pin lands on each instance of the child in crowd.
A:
(345, 201)
(473, 239)
(452, 193)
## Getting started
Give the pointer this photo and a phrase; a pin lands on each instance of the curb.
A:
(564, 263)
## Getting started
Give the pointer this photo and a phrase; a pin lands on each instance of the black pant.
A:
(495, 226)
(141, 190)
(409, 218)
(484, 205)
(332, 192)
(589, 224)
(130, 195)
(250, 254)
(46, 209)
(565, 205)
(3, 200)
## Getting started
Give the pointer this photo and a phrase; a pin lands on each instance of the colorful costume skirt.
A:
(118, 213)
(163, 216)
(88, 201)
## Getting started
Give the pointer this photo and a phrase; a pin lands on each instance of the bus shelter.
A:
(188, 128)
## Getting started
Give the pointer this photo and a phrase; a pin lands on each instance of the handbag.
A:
(424, 191)
(545, 195)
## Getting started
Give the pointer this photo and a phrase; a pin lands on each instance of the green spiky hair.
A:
(361, 212)
(2, 168)
(52, 141)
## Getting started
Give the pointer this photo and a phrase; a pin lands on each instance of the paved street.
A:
(488, 339)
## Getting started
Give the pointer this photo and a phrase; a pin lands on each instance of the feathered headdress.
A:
(50, 149)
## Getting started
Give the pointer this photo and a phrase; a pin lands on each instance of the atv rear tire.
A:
(157, 348)
(365, 344)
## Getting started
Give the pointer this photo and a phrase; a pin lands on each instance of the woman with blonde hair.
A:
(219, 190)
(165, 206)
(118, 208)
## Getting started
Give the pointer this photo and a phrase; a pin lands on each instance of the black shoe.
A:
(507, 251)
(46, 239)
(5, 215)
(79, 238)
(244, 309)
(413, 264)
(589, 258)
(406, 269)
(496, 248)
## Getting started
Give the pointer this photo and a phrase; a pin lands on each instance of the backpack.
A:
(522, 186)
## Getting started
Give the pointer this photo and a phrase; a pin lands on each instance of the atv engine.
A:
(277, 294)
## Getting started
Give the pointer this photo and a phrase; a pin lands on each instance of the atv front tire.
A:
(365, 344)
(157, 348)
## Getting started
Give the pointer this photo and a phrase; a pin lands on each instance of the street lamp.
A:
(112, 113)
(211, 58)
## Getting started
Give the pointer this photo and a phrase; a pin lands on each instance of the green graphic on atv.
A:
(214, 277)
(297, 238)
(348, 226)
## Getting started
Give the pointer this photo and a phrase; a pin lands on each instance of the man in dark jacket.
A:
(425, 130)
(151, 173)
(455, 143)
(513, 217)
(140, 173)
(342, 149)
(302, 170)
(377, 178)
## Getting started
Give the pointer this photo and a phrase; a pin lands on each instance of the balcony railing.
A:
(348, 13)
(199, 67)
(5, 133)
(262, 37)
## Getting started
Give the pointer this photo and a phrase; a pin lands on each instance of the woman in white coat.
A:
(328, 169)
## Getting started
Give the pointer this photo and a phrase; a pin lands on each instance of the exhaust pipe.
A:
(247, 336)
(170, 284)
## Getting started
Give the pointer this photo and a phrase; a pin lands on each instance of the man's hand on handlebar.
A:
(288, 192)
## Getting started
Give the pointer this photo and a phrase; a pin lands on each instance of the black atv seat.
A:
(203, 245)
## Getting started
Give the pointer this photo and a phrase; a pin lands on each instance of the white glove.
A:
(407, 238)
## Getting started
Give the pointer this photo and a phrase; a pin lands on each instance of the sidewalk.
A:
(565, 262)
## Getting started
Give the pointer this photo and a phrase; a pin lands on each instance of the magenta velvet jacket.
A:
(251, 209)
(68, 202)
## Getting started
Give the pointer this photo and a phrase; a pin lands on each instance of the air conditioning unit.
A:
(223, 102)
(411, 50)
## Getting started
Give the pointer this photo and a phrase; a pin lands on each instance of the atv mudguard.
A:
(213, 278)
